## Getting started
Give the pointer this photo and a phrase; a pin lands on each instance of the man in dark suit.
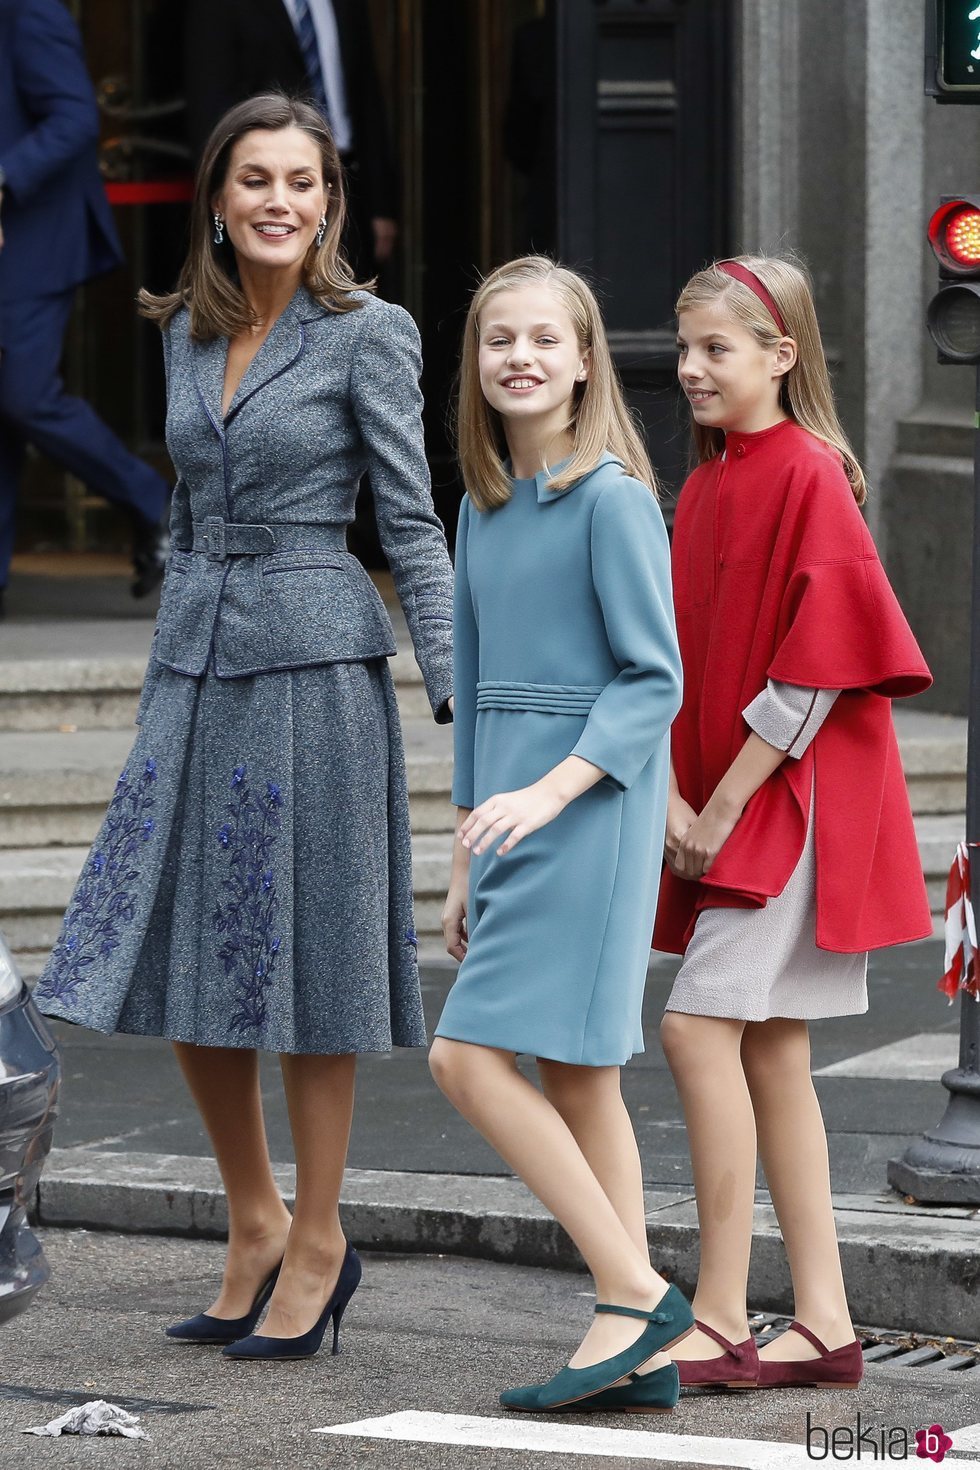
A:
(57, 231)
(320, 49)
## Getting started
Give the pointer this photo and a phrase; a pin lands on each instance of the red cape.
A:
(776, 576)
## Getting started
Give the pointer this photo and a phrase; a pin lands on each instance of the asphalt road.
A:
(431, 1335)
(125, 1093)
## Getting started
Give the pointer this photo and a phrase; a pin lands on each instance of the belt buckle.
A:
(214, 539)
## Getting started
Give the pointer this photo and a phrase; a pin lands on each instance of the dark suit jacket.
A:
(234, 50)
(57, 222)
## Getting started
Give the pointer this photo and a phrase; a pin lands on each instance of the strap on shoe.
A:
(729, 1347)
(811, 1337)
(655, 1316)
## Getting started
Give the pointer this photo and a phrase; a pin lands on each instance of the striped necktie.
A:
(308, 44)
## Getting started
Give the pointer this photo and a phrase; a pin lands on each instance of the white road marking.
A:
(967, 1438)
(920, 1058)
(547, 1436)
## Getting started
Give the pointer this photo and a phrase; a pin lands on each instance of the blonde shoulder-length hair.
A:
(208, 283)
(600, 421)
(805, 392)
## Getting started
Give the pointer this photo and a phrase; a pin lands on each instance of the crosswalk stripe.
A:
(924, 1058)
(575, 1439)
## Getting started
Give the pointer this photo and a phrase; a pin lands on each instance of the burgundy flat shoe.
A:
(738, 1366)
(841, 1367)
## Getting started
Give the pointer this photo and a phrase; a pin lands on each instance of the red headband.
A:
(750, 279)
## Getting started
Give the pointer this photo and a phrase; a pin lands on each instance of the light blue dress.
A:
(564, 644)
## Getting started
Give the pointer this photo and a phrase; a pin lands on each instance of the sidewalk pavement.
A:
(132, 1156)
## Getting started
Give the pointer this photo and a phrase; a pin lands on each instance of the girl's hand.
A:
(454, 914)
(680, 817)
(704, 839)
(515, 812)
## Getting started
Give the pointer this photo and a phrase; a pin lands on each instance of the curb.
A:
(910, 1268)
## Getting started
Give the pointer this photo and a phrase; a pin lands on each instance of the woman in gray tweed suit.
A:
(251, 887)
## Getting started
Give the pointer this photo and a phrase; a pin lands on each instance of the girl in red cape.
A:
(790, 847)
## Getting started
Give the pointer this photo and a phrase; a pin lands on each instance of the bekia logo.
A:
(875, 1442)
(932, 1443)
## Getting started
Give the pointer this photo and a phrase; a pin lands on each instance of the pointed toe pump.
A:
(841, 1367)
(737, 1367)
(216, 1331)
(669, 1322)
(307, 1344)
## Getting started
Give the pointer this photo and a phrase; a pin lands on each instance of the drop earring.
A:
(321, 231)
(219, 230)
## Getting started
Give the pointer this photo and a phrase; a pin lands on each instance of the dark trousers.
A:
(35, 409)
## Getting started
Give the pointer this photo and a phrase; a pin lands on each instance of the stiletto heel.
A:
(669, 1322)
(337, 1317)
(214, 1331)
(308, 1343)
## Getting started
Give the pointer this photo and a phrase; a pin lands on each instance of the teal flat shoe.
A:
(669, 1322)
(646, 1393)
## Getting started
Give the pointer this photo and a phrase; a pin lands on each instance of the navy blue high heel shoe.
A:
(220, 1330)
(307, 1343)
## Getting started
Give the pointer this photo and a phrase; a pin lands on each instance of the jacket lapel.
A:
(277, 354)
(208, 362)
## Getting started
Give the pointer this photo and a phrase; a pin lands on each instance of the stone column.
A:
(881, 214)
(767, 121)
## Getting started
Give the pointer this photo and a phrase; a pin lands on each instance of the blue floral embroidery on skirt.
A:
(105, 898)
(248, 919)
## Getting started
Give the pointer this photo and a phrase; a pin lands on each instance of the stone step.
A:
(36, 884)
(938, 837)
(54, 786)
(102, 693)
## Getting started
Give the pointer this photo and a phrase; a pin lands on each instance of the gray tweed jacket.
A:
(259, 575)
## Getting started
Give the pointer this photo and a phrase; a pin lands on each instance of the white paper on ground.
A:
(96, 1417)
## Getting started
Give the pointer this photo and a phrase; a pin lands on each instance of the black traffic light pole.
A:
(943, 1167)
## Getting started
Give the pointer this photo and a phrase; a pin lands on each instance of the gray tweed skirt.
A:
(251, 885)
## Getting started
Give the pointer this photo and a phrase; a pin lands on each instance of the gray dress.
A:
(757, 964)
(251, 885)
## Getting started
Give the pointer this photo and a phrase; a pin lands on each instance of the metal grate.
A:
(897, 1349)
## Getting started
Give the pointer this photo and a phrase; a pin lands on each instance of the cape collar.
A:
(278, 352)
(543, 476)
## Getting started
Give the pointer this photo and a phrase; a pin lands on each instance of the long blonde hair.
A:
(208, 282)
(601, 422)
(805, 391)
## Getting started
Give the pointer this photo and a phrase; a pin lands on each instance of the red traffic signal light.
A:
(953, 314)
(954, 234)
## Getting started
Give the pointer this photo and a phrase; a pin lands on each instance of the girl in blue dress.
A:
(566, 681)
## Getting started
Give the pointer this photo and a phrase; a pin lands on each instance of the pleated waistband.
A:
(552, 699)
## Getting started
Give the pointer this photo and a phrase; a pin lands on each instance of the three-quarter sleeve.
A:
(466, 669)
(788, 716)
(631, 575)
(387, 405)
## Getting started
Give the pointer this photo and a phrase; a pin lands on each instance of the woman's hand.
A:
(680, 817)
(515, 812)
(704, 839)
(454, 913)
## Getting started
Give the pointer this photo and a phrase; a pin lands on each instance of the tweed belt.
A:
(218, 539)
(550, 699)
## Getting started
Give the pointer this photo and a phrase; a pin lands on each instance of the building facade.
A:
(637, 139)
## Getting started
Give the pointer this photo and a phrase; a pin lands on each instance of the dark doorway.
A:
(595, 129)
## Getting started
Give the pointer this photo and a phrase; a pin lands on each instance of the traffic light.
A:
(953, 50)
(953, 314)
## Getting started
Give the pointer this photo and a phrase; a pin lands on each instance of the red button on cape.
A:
(776, 576)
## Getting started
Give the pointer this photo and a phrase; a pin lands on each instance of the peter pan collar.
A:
(543, 476)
